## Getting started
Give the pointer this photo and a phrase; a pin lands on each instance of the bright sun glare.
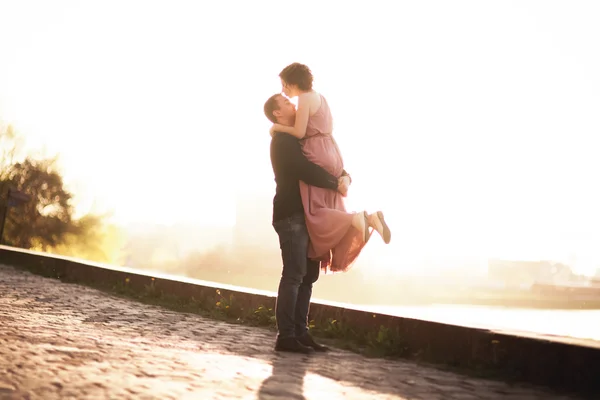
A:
(470, 124)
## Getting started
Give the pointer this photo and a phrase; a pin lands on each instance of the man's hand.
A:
(343, 185)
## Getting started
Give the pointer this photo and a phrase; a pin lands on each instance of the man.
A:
(290, 166)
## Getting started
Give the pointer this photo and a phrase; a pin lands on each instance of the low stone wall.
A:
(563, 366)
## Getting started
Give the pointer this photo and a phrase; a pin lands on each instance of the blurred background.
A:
(136, 129)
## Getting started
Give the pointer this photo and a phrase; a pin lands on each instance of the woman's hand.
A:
(343, 185)
(272, 130)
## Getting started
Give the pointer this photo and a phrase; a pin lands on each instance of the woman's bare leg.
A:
(360, 222)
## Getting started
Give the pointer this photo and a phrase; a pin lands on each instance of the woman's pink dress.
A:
(333, 239)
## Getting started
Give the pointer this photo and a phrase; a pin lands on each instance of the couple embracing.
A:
(315, 230)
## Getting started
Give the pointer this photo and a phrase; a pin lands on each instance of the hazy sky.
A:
(473, 124)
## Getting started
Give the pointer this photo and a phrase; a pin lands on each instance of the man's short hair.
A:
(272, 105)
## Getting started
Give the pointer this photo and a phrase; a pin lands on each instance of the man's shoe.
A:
(291, 344)
(308, 341)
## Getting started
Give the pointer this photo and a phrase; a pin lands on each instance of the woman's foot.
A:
(378, 223)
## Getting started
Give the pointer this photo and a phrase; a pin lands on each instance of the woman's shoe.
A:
(387, 234)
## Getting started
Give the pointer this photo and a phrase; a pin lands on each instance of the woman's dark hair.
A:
(297, 74)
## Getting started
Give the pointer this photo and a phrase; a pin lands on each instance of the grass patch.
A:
(225, 308)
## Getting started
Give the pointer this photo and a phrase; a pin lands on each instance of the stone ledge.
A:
(556, 364)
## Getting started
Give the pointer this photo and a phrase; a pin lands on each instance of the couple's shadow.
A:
(287, 378)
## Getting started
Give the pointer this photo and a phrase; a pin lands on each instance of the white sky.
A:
(473, 124)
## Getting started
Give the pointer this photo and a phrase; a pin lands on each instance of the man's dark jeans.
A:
(299, 274)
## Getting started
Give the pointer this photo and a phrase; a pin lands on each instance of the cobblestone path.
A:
(65, 341)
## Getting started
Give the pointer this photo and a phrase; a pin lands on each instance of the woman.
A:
(336, 236)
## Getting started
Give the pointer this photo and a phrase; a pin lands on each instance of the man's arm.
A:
(288, 154)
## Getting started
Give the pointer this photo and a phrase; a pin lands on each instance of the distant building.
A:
(525, 273)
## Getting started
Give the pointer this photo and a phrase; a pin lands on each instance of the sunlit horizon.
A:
(470, 124)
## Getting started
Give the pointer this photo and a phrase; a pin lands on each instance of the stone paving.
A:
(65, 341)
